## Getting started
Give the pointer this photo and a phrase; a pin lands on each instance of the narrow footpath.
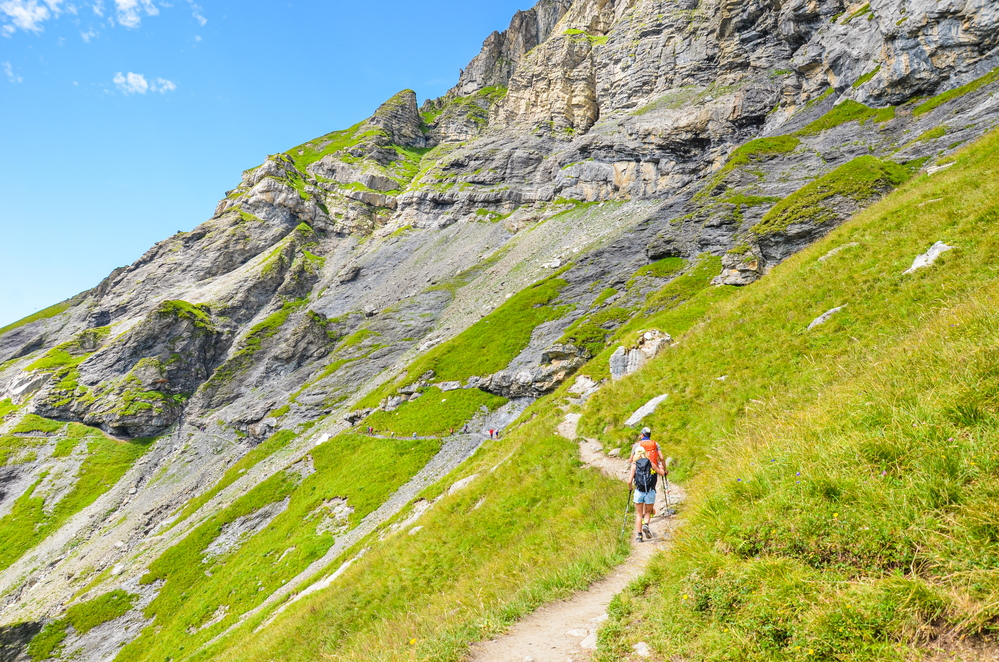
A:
(566, 631)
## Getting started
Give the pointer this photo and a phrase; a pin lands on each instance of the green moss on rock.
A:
(862, 180)
(754, 151)
(7, 407)
(950, 95)
(848, 111)
(664, 268)
(199, 314)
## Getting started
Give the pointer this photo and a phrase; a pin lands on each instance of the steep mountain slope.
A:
(597, 166)
(846, 472)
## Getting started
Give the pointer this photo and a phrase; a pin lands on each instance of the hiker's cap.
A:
(646, 431)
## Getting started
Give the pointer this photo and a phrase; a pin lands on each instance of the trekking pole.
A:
(669, 503)
(627, 507)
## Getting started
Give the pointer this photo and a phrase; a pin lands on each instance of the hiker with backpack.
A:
(646, 467)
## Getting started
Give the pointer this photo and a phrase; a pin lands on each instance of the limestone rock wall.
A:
(502, 51)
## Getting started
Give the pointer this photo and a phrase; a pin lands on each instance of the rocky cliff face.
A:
(587, 148)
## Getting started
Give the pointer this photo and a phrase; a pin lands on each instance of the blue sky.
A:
(125, 121)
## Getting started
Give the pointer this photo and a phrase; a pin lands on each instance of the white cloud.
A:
(11, 76)
(128, 11)
(98, 7)
(163, 86)
(132, 83)
(196, 12)
(28, 15)
(88, 35)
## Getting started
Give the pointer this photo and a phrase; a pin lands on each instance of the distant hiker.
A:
(452, 430)
(654, 455)
(490, 433)
(465, 431)
(642, 477)
(414, 435)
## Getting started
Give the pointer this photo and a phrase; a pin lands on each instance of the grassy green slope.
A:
(845, 500)
(43, 314)
(362, 470)
(764, 553)
(106, 461)
(435, 413)
(531, 527)
(488, 345)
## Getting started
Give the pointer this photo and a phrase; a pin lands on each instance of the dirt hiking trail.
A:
(566, 631)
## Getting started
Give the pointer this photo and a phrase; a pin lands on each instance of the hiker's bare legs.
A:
(640, 510)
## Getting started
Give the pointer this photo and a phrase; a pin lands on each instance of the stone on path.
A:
(928, 258)
(590, 643)
(645, 410)
(642, 649)
(824, 317)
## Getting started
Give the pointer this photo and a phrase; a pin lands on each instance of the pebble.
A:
(642, 649)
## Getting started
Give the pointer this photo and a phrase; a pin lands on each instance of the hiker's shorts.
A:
(645, 497)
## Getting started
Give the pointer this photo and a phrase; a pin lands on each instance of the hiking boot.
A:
(638, 538)
(646, 531)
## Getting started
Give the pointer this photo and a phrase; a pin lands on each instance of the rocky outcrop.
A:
(557, 364)
(739, 268)
(399, 120)
(557, 98)
(137, 384)
(502, 51)
(627, 360)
